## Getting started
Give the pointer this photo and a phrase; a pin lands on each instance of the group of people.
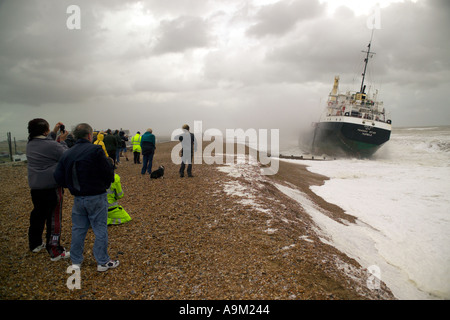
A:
(89, 175)
(113, 144)
(146, 144)
(87, 170)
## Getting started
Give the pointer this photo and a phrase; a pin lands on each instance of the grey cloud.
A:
(407, 45)
(37, 30)
(181, 34)
(177, 7)
(280, 17)
(413, 45)
(41, 59)
(253, 59)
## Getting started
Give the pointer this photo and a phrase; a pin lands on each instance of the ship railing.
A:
(356, 112)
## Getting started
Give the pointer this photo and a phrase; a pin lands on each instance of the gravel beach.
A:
(227, 233)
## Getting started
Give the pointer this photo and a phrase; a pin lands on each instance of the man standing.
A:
(189, 146)
(43, 154)
(148, 147)
(111, 145)
(136, 143)
(123, 145)
(87, 173)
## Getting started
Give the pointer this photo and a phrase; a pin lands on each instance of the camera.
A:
(62, 128)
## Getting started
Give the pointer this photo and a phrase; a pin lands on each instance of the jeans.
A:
(90, 211)
(147, 162)
(118, 155)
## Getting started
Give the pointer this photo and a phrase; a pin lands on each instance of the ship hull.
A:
(349, 137)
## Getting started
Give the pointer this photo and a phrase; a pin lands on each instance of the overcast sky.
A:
(229, 63)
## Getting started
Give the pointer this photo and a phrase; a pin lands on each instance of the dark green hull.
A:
(348, 139)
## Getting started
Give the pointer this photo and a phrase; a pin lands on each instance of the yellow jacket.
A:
(100, 142)
(136, 142)
(116, 213)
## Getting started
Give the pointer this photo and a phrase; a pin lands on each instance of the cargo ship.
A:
(353, 124)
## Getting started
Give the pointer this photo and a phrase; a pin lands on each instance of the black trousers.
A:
(137, 156)
(47, 211)
(189, 167)
(112, 155)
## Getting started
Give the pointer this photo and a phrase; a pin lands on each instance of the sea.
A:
(401, 199)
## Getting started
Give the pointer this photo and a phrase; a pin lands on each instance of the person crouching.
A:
(116, 213)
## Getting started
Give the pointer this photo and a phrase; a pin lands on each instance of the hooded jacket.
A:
(116, 213)
(100, 142)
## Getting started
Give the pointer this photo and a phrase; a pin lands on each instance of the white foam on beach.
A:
(247, 190)
(248, 168)
(358, 241)
(402, 202)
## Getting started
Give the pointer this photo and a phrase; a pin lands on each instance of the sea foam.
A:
(401, 198)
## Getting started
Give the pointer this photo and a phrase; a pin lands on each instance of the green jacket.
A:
(148, 142)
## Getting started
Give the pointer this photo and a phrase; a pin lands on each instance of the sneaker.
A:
(39, 248)
(64, 255)
(109, 265)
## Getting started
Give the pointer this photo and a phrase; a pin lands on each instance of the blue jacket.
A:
(84, 170)
(148, 143)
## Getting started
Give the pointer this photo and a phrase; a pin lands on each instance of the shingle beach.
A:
(228, 233)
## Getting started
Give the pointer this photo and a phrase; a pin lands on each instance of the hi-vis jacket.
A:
(136, 142)
(116, 214)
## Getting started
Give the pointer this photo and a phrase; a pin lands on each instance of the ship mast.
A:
(366, 60)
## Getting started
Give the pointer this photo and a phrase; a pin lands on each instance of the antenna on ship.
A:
(366, 60)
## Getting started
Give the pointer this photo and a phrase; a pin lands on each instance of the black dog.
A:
(158, 173)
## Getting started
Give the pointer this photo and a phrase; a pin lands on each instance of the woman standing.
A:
(43, 154)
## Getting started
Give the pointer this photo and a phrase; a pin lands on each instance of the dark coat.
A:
(84, 170)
